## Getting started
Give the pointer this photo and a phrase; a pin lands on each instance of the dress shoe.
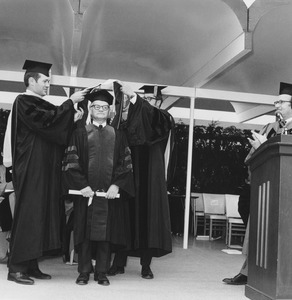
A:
(146, 272)
(19, 278)
(114, 270)
(38, 274)
(101, 279)
(82, 279)
(239, 279)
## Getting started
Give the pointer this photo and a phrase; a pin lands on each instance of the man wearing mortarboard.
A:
(282, 125)
(149, 133)
(98, 159)
(39, 134)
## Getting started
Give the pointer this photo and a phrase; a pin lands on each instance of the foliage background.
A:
(218, 159)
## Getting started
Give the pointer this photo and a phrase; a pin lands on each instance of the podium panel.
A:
(270, 241)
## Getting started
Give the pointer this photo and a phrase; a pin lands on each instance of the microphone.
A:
(282, 122)
(280, 119)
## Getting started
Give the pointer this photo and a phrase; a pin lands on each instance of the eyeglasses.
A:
(98, 107)
(280, 102)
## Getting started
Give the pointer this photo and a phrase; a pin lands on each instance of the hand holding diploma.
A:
(88, 193)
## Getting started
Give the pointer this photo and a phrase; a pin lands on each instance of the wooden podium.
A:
(270, 242)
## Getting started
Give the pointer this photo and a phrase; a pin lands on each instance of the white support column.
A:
(189, 172)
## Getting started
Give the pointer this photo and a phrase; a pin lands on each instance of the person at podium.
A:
(282, 125)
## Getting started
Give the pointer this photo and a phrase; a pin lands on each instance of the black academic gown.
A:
(273, 129)
(270, 130)
(149, 131)
(99, 158)
(39, 134)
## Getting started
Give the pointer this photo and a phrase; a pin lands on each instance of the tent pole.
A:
(189, 172)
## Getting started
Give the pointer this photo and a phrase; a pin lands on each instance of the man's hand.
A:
(79, 96)
(126, 89)
(108, 84)
(112, 192)
(78, 114)
(257, 140)
(87, 192)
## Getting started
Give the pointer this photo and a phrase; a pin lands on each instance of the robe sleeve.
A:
(123, 172)
(146, 124)
(270, 131)
(74, 168)
(53, 123)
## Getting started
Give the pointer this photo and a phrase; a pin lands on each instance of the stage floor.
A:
(195, 273)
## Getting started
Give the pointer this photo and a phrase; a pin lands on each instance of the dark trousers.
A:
(102, 257)
(120, 259)
(24, 266)
(68, 228)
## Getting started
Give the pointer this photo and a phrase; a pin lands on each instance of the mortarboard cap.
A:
(153, 89)
(285, 88)
(37, 66)
(102, 95)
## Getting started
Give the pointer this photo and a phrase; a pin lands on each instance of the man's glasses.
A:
(98, 107)
(280, 102)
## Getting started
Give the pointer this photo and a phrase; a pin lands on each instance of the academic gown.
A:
(99, 158)
(149, 131)
(39, 134)
(270, 130)
(273, 129)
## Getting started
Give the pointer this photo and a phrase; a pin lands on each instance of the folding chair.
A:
(214, 214)
(234, 223)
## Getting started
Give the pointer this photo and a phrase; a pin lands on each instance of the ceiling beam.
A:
(254, 112)
(235, 96)
(169, 102)
(242, 101)
(7, 99)
(174, 91)
(238, 48)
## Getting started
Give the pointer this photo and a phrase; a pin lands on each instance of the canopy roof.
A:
(231, 58)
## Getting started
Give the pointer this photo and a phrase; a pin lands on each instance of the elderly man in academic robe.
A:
(39, 134)
(98, 160)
